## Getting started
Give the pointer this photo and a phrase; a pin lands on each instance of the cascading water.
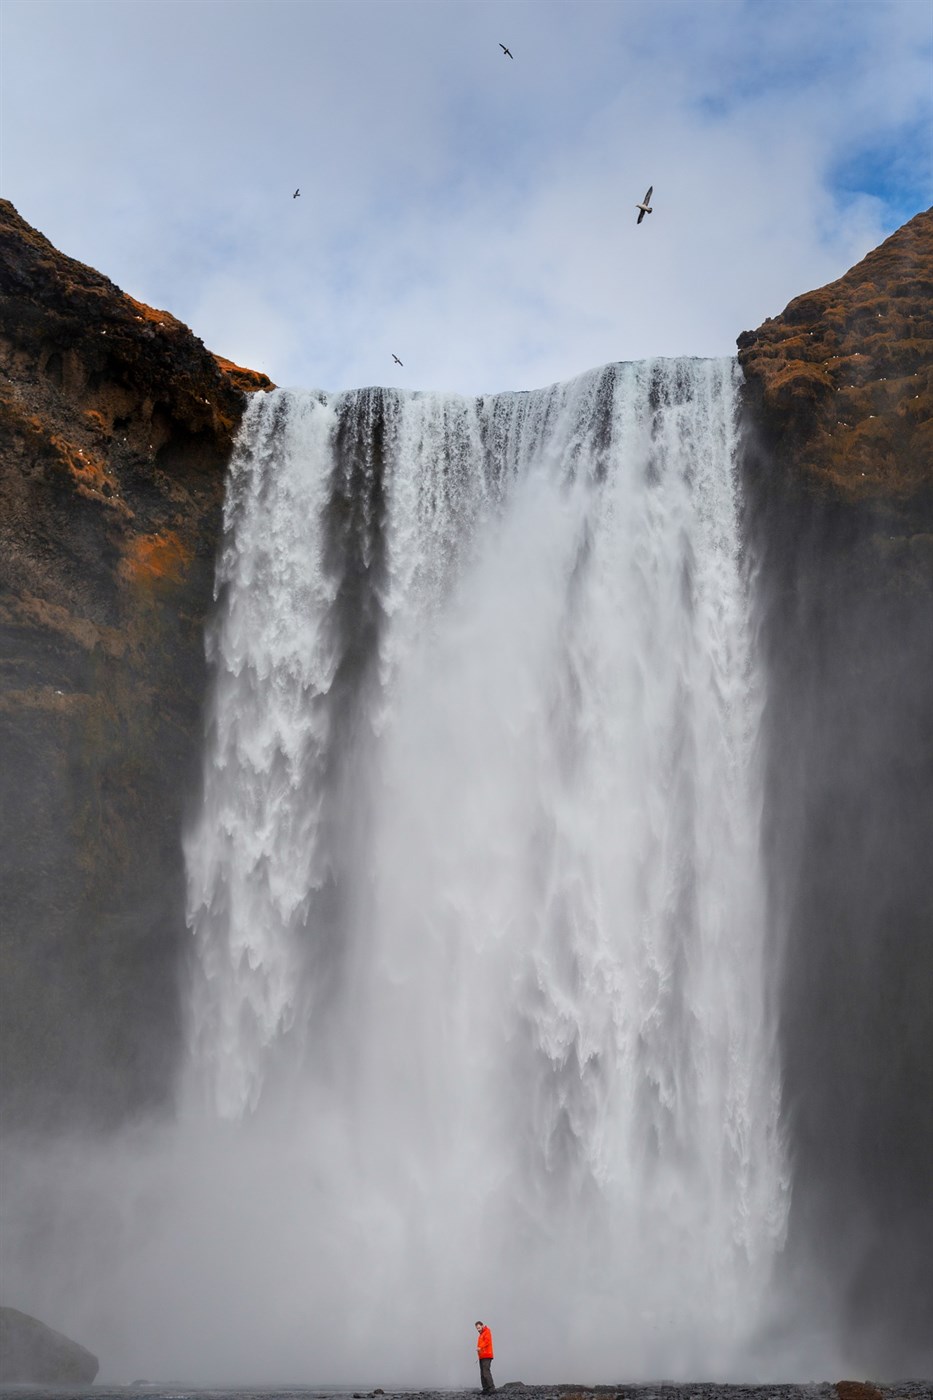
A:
(478, 999)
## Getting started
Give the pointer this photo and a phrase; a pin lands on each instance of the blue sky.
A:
(471, 213)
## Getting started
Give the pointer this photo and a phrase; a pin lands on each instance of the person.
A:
(485, 1354)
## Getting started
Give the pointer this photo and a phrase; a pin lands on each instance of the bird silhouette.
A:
(508, 52)
(296, 194)
(397, 360)
(644, 208)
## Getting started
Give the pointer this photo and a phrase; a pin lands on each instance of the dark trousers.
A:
(485, 1373)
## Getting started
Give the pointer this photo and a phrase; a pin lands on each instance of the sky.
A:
(471, 213)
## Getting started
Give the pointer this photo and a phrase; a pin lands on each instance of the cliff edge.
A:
(115, 426)
(841, 383)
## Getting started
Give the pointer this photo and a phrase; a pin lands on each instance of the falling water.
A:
(477, 1002)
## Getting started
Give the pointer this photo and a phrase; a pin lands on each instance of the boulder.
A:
(34, 1354)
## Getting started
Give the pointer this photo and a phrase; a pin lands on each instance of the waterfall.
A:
(478, 991)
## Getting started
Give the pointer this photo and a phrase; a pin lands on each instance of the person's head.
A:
(479, 1327)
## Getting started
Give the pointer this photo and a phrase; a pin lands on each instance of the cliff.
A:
(838, 467)
(115, 425)
(842, 381)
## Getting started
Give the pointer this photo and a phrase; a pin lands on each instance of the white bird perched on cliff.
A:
(644, 207)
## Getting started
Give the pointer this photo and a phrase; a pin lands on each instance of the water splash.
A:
(475, 886)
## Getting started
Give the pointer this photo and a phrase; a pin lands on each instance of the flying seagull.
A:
(644, 208)
(397, 360)
(508, 52)
(296, 194)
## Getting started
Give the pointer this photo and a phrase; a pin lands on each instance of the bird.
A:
(508, 52)
(296, 194)
(644, 208)
(397, 360)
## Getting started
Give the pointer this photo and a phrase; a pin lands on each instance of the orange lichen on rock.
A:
(97, 422)
(798, 379)
(841, 383)
(89, 471)
(155, 317)
(250, 381)
(163, 557)
(857, 1390)
(61, 623)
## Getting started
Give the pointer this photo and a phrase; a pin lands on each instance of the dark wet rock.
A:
(644, 1390)
(696, 1390)
(838, 474)
(32, 1353)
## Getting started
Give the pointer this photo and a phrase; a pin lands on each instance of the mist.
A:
(844, 607)
(558, 920)
(476, 1006)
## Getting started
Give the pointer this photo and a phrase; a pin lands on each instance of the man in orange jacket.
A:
(485, 1354)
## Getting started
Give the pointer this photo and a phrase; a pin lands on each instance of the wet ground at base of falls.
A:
(659, 1390)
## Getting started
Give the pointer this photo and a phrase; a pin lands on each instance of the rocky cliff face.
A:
(115, 424)
(839, 482)
(840, 385)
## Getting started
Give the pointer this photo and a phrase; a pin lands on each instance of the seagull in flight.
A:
(296, 194)
(397, 360)
(644, 208)
(508, 52)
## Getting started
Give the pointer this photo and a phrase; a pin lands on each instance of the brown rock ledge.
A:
(842, 381)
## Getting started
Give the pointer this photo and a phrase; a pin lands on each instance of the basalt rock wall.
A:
(115, 425)
(839, 482)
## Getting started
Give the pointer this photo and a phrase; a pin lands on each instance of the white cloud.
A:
(471, 213)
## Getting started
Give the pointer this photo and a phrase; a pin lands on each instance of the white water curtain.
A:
(475, 887)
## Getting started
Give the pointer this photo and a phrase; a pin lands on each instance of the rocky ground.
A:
(698, 1390)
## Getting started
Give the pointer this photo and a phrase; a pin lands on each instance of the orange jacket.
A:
(484, 1345)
